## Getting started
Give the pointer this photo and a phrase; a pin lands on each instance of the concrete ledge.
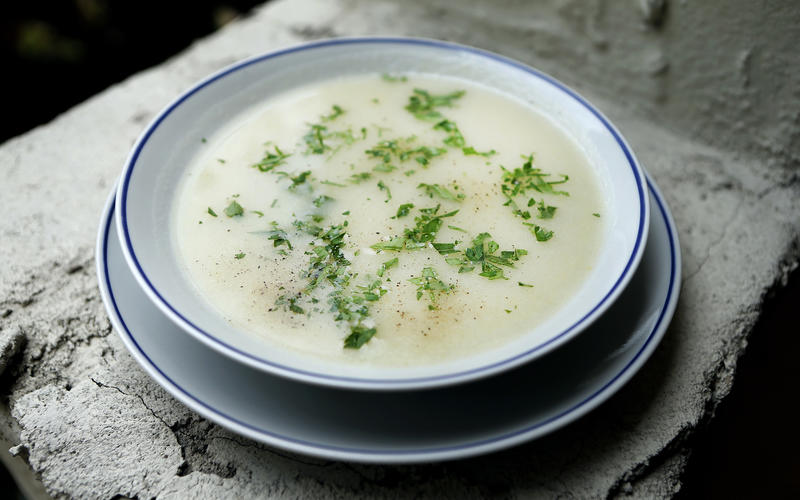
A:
(78, 402)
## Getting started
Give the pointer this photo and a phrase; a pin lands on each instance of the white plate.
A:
(410, 426)
(156, 165)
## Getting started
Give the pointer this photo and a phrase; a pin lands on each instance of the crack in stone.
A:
(712, 245)
(103, 385)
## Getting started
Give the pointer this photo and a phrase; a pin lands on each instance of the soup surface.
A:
(389, 220)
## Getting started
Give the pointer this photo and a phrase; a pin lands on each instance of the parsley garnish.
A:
(423, 105)
(359, 178)
(258, 212)
(336, 112)
(321, 200)
(596, 214)
(233, 210)
(384, 187)
(211, 212)
(483, 252)
(404, 209)
(524, 284)
(239, 256)
(470, 151)
(271, 160)
(427, 225)
(440, 191)
(392, 79)
(519, 181)
(430, 282)
(386, 265)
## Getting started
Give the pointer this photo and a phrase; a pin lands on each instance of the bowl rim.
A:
(366, 383)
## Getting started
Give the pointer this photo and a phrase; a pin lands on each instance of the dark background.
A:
(56, 54)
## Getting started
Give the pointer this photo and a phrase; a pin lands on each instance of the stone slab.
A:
(78, 401)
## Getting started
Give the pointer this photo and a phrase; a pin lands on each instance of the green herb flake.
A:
(336, 112)
(211, 212)
(596, 214)
(203, 140)
(360, 177)
(386, 77)
(386, 265)
(258, 212)
(234, 209)
(271, 160)
(524, 284)
(404, 209)
(455, 228)
(239, 256)
(321, 200)
(422, 104)
(429, 282)
(359, 335)
(470, 151)
(221, 160)
(541, 233)
(384, 187)
(440, 191)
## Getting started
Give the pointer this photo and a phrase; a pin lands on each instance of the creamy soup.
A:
(389, 220)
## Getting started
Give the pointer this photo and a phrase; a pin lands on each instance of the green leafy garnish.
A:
(239, 256)
(429, 282)
(271, 160)
(315, 140)
(384, 187)
(541, 233)
(454, 138)
(386, 265)
(336, 112)
(392, 79)
(423, 104)
(455, 228)
(427, 224)
(440, 191)
(233, 210)
(359, 335)
(258, 212)
(524, 284)
(470, 151)
(483, 252)
(211, 212)
(359, 178)
(596, 214)
(404, 209)
(321, 200)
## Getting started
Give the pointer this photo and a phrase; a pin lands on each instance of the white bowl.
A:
(158, 160)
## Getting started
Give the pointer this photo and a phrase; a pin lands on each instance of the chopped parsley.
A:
(239, 256)
(483, 253)
(440, 191)
(596, 214)
(258, 212)
(422, 104)
(233, 210)
(527, 178)
(524, 284)
(271, 160)
(386, 77)
(470, 151)
(429, 282)
(427, 224)
(336, 112)
(404, 209)
(386, 265)
(321, 200)
(384, 187)
(211, 212)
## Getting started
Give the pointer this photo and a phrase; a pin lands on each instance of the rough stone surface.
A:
(709, 104)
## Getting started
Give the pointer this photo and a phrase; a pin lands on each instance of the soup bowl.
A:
(152, 176)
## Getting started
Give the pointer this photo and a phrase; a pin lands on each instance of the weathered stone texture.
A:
(711, 108)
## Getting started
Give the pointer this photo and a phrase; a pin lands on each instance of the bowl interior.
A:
(155, 168)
